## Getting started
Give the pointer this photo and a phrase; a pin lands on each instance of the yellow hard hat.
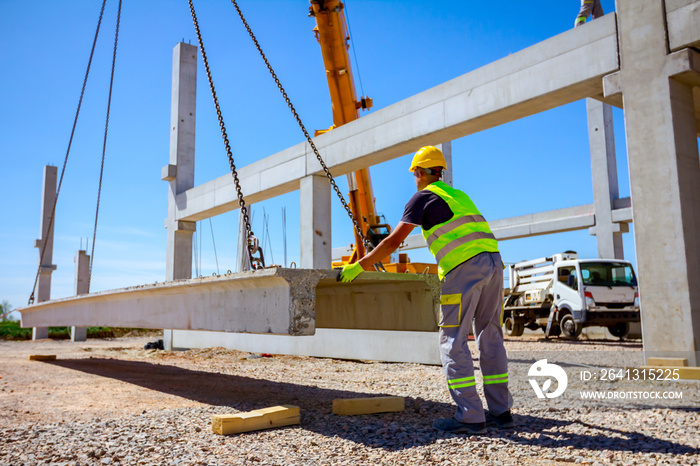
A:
(428, 157)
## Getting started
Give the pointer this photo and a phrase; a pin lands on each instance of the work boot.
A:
(502, 421)
(453, 426)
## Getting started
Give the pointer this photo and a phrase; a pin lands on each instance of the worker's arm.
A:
(390, 244)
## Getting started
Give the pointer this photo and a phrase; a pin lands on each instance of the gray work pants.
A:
(473, 291)
(588, 8)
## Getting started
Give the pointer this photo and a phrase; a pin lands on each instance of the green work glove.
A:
(350, 272)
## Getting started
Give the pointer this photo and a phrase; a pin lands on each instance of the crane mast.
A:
(332, 34)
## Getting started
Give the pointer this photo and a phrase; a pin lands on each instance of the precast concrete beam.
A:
(542, 223)
(555, 72)
(683, 23)
(277, 301)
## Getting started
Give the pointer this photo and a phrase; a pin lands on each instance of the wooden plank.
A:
(266, 418)
(42, 357)
(666, 362)
(378, 404)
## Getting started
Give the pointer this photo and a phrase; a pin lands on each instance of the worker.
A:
(588, 8)
(470, 264)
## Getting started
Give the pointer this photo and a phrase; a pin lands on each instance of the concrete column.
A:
(180, 171)
(664, 172)
(601, 137)
(446, 148)
(82, 270)
(315, 197)
(42, 292)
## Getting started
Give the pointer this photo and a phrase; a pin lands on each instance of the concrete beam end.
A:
(612, 85)
(182, 225)
(609, 228)
(684, 66)
(168, 172)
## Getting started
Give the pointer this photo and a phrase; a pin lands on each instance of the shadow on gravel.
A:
(389, 431)
(551, 435)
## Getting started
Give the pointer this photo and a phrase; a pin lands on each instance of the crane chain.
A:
(104, 143)
(65, 160)
(241, 202)
(365, 241)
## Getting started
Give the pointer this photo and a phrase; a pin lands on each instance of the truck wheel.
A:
(513, 328)
(620, 329)
(569, 327)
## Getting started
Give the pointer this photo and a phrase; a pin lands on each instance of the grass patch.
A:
(10, 330)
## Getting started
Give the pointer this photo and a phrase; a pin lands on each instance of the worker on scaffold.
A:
(588, 8)
(472, 272)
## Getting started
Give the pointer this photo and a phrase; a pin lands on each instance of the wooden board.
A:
(267, 418)
(667, 362)
(42, 357)
(379, 404)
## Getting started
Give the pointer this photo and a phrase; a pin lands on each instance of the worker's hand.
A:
(350, 272)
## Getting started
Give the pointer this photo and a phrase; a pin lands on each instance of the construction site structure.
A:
(643, 58)
(563, 294)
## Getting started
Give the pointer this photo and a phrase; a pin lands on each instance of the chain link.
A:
(303, 129)
(234, 173)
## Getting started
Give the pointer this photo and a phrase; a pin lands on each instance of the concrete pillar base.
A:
(78, 334)
(39, 333)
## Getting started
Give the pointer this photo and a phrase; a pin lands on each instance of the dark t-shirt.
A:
(426, 209)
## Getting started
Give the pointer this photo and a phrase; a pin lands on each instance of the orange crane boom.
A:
(332, 34)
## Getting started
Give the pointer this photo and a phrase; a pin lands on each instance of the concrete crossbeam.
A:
(269, 301)
(683, 23)
(542, 223)
(557, 71)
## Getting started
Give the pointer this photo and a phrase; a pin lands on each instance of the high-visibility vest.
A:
(463, 236)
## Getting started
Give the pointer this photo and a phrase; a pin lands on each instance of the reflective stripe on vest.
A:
(462, 237)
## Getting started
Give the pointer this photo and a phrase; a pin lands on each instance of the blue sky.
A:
(402, 48)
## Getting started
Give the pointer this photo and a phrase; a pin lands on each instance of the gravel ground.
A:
(112, 402)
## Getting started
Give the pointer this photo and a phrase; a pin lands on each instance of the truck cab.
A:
(563, 294)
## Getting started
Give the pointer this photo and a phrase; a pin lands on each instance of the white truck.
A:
(563, 294)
